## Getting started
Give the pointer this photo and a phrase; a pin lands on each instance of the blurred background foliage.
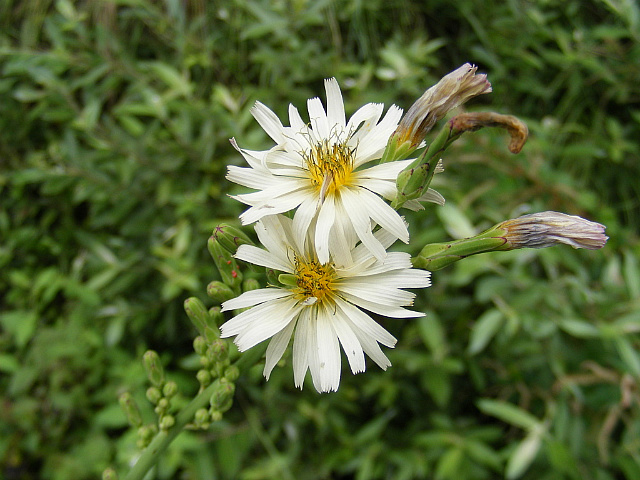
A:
(114, 125)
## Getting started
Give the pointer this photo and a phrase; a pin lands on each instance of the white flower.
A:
(322, 303)
(316, 168)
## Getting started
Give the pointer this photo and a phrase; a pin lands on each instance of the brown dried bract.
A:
(472, 121)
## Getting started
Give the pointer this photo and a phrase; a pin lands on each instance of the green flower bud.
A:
(197, 313)
(218, 351)
(200, 345)
(130, 408)
(227, 265)
(146, 434)
(167, 422)
(211, 334)
(162, 407)
(215, 415)
(202, 418)
(109, 474)
(219, 292)
(217, 317)
(204, 377)
(153, 367)
(230, 238)
(412, 182)
(232, 373)
(170, 389)
(222, 397)
(154, 395)
(250, 284)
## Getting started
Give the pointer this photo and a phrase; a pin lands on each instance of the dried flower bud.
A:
(451, 91)
(545, 229)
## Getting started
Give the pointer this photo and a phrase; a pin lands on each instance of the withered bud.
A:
(451, 91)
(545, 229)
(472, 121)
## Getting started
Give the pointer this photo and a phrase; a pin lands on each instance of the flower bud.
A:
(545, 229)
(130, 408)
(219, 292)
(166, 422)
(202, 418)
(170, 389)
(197, 313)
(204, 377)
(230, 238)
(250, 284)
(218, 350)
(153, 367)
(154, 395)
(222, 397)
(227, 265)
(109, 474)
(452, 90)
(217, 317)
(162, 407)
(232, 373)
(200, 345)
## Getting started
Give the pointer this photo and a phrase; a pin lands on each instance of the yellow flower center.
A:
(314, 280)
(330, 166)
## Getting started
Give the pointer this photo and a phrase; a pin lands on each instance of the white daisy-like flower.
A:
(321, 303)
(317, 169)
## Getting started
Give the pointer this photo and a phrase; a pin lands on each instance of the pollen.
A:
(314, 281)
(330, 166)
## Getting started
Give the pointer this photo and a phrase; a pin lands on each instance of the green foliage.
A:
(114, 127)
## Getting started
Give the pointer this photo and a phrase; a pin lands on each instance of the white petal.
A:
(380, 293)
(369, 333)
(267, 259)
(295, 120)
(384, 215)
(367, 114)
(384, 310)
(301, 342)
(305, 213)
(374, 141)
(326, 217)
(318, 119)
(249, 177)
(328, 352)
(276, 348)
(280, 204)
(254, 297)
(350, 343)
(364, 324)
(249, 319)
(269, 121)
(268, 326)
(335, 104)
(359, 216)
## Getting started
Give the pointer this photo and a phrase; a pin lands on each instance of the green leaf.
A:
(579, 328)
(524, 454)
(484, 330)
(508, 413)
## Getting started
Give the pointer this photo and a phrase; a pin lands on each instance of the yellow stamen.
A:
(314, 280)
(330, 166)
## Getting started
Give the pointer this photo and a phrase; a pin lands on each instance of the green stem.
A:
(161, 441)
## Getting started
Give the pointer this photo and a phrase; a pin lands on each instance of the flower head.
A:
(321, 303)
(545, 229)
(318, 168)
(452, 90)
